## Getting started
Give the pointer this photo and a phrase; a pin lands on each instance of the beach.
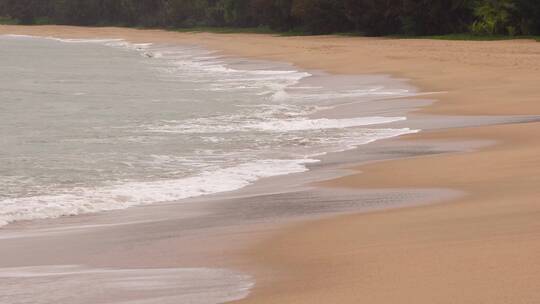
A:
(479, 244)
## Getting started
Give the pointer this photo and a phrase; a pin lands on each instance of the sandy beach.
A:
(481, 246)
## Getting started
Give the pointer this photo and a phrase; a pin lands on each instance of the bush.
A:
(8, 20)
(495, 17)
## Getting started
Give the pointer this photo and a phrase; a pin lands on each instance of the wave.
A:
(320, 96)
(124, 195)
(201, 126)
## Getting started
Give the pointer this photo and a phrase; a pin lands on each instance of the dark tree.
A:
(273, 13)
(528, 16)
(429, 17)
(321, 16)
(374, 17)
(26, 11)
(369, 17)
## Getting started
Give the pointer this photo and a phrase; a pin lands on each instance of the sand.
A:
(481, 248)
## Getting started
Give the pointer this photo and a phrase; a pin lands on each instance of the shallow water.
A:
(74, 284)
(92, 125)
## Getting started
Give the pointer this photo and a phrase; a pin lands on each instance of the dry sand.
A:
(482, 248)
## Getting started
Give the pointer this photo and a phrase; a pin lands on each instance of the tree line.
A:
(367, 17)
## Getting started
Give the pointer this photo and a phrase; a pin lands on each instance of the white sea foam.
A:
(18, 36)
(201, 126)
(80, 284)
(320, 124)
(363, 137)
(124, 195)
(283, 95)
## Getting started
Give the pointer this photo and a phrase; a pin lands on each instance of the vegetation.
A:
(367, 17)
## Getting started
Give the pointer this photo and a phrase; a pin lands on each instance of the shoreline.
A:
(335, 88)
(502, 83)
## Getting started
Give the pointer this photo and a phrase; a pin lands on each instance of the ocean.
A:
(103, 124)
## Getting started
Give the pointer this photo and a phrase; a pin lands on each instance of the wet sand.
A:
(480, 244)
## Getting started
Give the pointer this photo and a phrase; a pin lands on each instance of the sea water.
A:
(76, 284)
(103, 124)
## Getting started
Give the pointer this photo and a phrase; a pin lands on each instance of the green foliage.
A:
(226, 30)
(495, 17)
(469, 37)
(236, 12)
(367, 17)
(7, 20)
